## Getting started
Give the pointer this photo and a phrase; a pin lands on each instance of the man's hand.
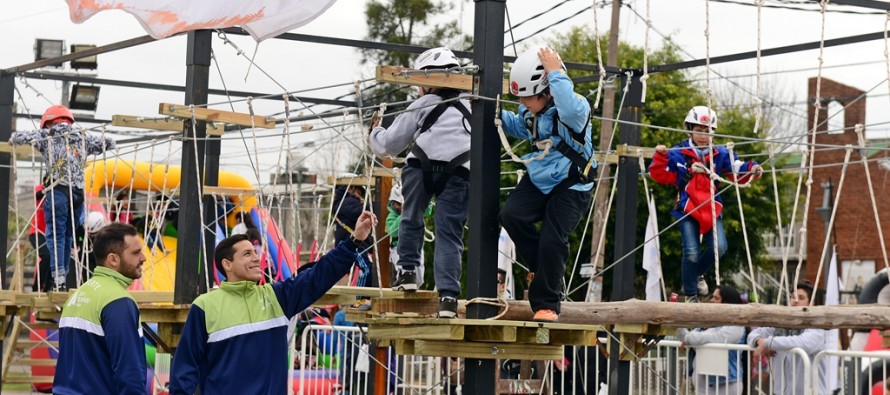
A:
(375, 121)
(549, 59)
(364, 225)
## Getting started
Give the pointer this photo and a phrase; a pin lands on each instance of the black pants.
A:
(545, 251)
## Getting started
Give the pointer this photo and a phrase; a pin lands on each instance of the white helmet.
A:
(701, 115)
(95, 221)
(436, 58)
(527, 76)
(395, 194)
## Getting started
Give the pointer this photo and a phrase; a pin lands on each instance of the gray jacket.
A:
(444, 141)
(786, 368)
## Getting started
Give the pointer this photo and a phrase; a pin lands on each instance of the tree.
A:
(670, 95)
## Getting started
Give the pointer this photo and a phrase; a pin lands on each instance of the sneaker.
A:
(406, 281)
(447, 307)
(529, 277)
(546, 315)
(362, 305)
(702, 286)
(692, 299)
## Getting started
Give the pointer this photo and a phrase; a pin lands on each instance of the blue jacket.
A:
(235, 338)
(574, 111)
(694, 188)
(101, 350)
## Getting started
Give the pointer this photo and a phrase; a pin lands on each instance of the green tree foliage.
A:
(670, 95)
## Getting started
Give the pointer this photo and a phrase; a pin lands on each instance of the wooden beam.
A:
(376, 292)
(213, 115)
(533, 335)
(428, 332)
(419, 306)
(405, 76)
(358, 181)
(440, 348)
(174, 125)
(229, 191)
(22, 152)
(498, 334)
(692, 315)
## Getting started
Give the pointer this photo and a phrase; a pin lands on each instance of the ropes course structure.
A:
(195, 204)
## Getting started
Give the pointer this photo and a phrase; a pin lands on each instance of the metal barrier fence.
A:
(334, 360)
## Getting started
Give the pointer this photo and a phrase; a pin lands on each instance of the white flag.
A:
(164, 18)
(652, 257)
(832, 336)
(506, 256)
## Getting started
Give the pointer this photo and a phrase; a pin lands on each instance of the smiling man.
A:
(235, 338)
(100, 340)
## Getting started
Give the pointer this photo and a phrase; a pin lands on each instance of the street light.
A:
(48, 49)
(84, 97)
(89, 62)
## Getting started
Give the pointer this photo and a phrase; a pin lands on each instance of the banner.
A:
(652, 257)
(164, 18)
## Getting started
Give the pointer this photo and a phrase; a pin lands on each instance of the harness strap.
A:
(447, 168)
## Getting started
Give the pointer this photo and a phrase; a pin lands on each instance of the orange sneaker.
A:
(529, 277)
(546, 315)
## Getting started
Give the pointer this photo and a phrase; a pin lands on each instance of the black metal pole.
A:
(190, 271)
(7, 99)
(625, 228)
(485, 181)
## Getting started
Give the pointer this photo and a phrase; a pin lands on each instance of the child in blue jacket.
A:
(686, 166)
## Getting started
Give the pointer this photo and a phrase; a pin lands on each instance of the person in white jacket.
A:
(730, 384)
(787, 371)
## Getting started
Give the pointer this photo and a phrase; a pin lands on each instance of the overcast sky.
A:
(307, 66)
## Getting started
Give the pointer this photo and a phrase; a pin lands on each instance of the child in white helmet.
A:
(685, 166)
(556, 191)
(438, 165)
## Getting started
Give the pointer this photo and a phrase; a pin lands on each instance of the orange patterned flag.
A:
(163, 18)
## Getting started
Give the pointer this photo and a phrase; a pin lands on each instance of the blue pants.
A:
(61, 220)
(450, 216)
(545, 251)
(696, 260)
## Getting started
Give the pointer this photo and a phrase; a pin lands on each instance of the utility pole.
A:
(595, 288)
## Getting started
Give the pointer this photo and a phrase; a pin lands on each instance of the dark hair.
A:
(813, 294)
(730, 295)
(226, 250)
(110, 239)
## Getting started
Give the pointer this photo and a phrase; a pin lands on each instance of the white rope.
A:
(367, 202)
(599, 57)
(542, 145)
(817, 106)
(830, 224)
(645, 76)
(711, 187)
(758, 101)
(738, 194)
(199, 188)
(783, 237)
(860, 134)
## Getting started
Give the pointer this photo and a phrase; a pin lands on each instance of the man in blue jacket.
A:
(235, 338)
(100, 341)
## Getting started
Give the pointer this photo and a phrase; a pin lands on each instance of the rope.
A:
(860, 134)
(498, 302)
(200, 189)
(830, 225)
(542, 145)
(782, 236)
(370, 167)
(711, 186)
(738, 195)
(817, 106)
(650, 203)
(645, 76)
(599, 58)
(758, 109)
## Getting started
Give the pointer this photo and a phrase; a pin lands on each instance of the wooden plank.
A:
(533, 335)
(213, 115)
(358, 181)
(478, 350)
(419, 306)
(28, 379)
(497, 334)
(631, 150)
(645, 329)
(328, 299)
(403, 346)
(575, 338)
(428, 332)
(527, 386)
(174, 125)
(229, 191)
(152, 296)
(164, 314)
(32, 362)
(387, 293)
(170, 333)
(36, 344)
(395, 75)
(22, 151)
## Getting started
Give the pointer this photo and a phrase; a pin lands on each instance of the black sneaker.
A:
(406, 281)
(447, 307)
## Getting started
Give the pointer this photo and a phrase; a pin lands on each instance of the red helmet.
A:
(54, 113)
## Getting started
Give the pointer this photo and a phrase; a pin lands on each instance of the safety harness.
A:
(580, 172)
(449, 168)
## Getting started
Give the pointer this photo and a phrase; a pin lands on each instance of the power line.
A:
(785, 7)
